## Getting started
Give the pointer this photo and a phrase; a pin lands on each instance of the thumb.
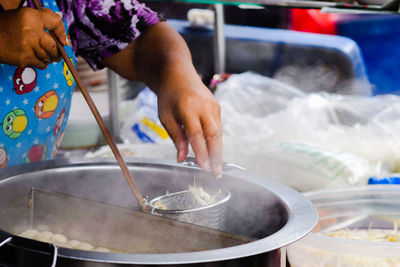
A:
(53, 22)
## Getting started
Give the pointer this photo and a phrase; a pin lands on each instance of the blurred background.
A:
(304, 92)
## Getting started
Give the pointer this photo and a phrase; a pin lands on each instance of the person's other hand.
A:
(191, 114)
(24, 41)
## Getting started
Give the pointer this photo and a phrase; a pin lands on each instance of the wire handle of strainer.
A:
(55, 251)
(5, 241)
(192, 162)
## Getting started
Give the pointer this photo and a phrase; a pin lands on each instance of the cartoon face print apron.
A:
(34, 107)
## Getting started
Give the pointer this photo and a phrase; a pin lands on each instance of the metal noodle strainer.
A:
(183, 206)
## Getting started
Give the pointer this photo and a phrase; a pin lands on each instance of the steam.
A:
(105, 225)
(322, 77)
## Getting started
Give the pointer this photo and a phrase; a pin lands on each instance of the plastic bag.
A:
(143, 125)
(248, 94)
(307, 166)
(265, 122)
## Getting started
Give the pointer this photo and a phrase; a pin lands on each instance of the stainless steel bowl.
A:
(272, 214)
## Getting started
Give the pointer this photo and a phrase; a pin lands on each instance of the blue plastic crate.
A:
(378, 37)
(268, 50)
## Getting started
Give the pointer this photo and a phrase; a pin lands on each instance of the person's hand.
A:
(191, 114)
(24, 41)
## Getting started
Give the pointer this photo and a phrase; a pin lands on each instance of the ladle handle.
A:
(142, 201)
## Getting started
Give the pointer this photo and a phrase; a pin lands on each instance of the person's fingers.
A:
(217, 114)
(182, 147)
(37, 63)
(213, 137)
(31, 60)
(194, 132)
(40, 65)
(41, 54)
(53, 22)
(49, 45)
(177, 135)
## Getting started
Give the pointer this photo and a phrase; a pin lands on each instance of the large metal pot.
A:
(272, 214)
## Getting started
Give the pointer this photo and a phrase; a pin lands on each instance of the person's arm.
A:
(161, 59)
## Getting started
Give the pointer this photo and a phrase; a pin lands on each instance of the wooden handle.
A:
(142, 201)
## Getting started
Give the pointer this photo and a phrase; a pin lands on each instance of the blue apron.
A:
(34, 107)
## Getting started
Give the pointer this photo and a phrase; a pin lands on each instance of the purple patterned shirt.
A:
(100, 28)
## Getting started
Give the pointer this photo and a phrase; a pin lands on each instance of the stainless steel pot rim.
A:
(303, 216)
(220, 202)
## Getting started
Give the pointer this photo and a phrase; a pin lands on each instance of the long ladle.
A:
(142, 201)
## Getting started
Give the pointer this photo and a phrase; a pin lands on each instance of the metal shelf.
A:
(357, 6)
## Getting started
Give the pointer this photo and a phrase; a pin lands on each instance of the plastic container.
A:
(82, 130)
(93, 81)
(378, 37)
(384, 180)
(369, 207)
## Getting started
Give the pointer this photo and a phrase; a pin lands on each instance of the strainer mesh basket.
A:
(182, 206)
